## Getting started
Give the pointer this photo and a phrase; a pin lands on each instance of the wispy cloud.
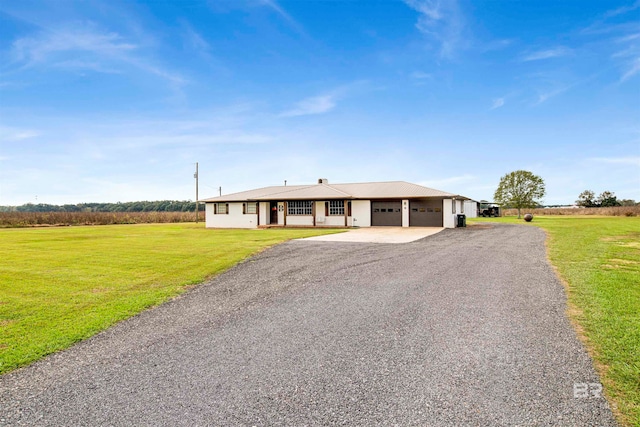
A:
(628, 38)
(85, 46)
(36, 50)
(420, 75)
(630, 160)
(450, 181)
(497, 103)
(313, 105)
(14, 134)
(629, 56)
(622, 10)
(420, 78)
(273, 5)
(545, 96)
(555, 52)
(195, 41)
(632, 70)
(75, 64)
(441, 21)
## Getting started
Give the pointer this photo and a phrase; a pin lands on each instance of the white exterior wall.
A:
(334, 220)
(448, 218)
(470, 209)
(263, 211)
(361, 213)
(405, 213)
(234, 219)
(306, 220)
(321, 219)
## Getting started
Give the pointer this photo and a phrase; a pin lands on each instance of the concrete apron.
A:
(378, 235)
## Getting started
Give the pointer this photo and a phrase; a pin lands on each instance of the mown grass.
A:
(61, 285)
(599, 261)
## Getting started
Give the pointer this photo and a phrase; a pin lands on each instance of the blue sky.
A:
(116, 100)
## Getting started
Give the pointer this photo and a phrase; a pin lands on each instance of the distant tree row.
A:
(145, 206)
(588, 199)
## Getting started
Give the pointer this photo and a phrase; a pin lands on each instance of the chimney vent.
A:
(323, 181)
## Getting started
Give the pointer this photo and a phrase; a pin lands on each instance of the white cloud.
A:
(86, 65)
(622, 10)
(14, 134)
(420, 75)
(196, 42)
(628, 38)
(273, 4)
(543, 97)
(83, 46)
(34, 50)
(630, 160)
(444, 182)
(314, 105)
(497, 103)
(441, 21)
(633, 69)
(547, 54)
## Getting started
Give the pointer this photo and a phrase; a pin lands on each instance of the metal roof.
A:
(363, 190)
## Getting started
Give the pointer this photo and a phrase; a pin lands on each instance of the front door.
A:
(273, 208)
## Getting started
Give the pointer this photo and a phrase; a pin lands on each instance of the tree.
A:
(607, 198)
(586, 199)
(520, 189)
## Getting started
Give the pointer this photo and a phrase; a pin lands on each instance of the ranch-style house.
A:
(395, 203)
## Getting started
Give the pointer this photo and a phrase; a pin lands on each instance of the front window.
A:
(300, 207)
(336, 207)
(250, 208)
(220, 208)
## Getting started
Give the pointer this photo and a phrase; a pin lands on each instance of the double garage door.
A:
(422, 213)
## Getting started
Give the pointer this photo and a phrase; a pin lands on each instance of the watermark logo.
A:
(587, 390)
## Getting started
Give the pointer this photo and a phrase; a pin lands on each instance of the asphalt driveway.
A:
(465, 327)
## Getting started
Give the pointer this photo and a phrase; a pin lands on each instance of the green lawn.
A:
(599, 260)
(63, 284)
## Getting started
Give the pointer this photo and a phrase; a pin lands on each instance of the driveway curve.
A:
(465, 327)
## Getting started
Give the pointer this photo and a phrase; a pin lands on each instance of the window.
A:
(462, 206)
(249, 208)
(221, 208)
(336, 207)
(299, 207)
(453, 206)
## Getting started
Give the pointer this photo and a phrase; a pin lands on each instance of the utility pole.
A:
(195, 175)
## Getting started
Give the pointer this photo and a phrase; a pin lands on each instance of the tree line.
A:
(588, 199)
(143, 206)
(522, 189)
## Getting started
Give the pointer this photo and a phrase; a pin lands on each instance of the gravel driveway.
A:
(463, 328)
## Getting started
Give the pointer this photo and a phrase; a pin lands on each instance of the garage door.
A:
(386, 213)
(425, 213)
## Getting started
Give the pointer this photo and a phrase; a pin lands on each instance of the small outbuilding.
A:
(394, 203)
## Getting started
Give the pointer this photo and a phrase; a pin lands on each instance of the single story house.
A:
(366, 204)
